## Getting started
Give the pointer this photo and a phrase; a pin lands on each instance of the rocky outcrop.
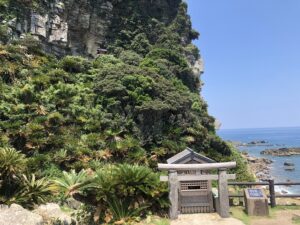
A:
(281, 152)
(253, 143)
(67, 27)
(257, 142)
(52, 212)
(80, 27)
(73, 203)
(259, 166)
(17, 215)
(44, 214)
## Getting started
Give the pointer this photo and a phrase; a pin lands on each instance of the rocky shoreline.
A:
(260, 167)
(281, 152)
(253, 143)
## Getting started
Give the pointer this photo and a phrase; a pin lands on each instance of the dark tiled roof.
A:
(188, 153)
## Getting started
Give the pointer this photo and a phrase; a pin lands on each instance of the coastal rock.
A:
(288, 164)
(252, 143)
(281, 152)
(257, 142)
(17, 215)
(259, 166)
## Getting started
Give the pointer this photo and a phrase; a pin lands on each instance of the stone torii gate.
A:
(174, 180)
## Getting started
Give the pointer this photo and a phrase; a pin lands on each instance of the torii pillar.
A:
(223, 194)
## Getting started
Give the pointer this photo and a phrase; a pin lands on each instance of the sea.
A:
(276, 138)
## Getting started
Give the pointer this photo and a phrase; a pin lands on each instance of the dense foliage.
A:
(73, 112)
(139, 105)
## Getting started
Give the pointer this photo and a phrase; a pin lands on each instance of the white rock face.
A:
(198, 67)
(17, 215)
(59, 30)
(52, 211)
(38, 24)
(74, 27)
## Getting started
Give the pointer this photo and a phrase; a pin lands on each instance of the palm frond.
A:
(71, 182)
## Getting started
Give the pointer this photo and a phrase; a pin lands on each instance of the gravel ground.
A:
(205, 219)
(282, 217)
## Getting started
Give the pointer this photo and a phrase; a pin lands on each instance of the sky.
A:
(251, 53)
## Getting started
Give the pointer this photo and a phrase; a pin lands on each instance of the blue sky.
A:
(251, 52)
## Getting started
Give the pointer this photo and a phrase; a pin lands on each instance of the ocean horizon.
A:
(276, 137)
(249, 128)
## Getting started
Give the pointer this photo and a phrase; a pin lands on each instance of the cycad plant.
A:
(125, 191)
(33, 191)
(12, 164)
(71, 182)
(17, 187)
(123, 210)
(136, 180)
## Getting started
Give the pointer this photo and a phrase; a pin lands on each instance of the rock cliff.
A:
(80, 27)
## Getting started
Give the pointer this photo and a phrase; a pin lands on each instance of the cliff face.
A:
(80, 27)
(139, 103)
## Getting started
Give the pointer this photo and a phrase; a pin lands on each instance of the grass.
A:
(155, 220)
(66, 209)
(239, 213)
(296, 219)
(161, 222)
(286, 207)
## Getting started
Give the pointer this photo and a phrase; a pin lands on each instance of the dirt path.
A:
(282, 217)
(205, 219)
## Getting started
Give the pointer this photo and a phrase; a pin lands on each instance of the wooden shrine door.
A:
(195, 197)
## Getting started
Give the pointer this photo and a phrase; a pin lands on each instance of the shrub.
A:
(4, 3)
(4, 37)
(17, 187)
(194, 34)
(137, 186)
(123, 191)
(192, 50)
(75, 64)
(32, 44)
(106, 60)
(140, 44)
(242, 170)
(12, 163)
(71, 183)
(130, 57)
(33, 191)
(120, 193)
(122, 210)
(168, 54)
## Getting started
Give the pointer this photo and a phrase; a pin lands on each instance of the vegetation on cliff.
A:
(137, 105)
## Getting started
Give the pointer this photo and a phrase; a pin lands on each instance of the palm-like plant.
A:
(122, 209)
(12, 163)
(71, 182)
(33, 191)
(127, 190)
(112, 138)
(141, 178)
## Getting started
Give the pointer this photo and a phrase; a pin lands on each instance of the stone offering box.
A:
(256, 202)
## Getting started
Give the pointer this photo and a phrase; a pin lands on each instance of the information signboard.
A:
(255, 193)
(256, 202)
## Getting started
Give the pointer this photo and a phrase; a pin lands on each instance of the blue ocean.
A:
(275, 138)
